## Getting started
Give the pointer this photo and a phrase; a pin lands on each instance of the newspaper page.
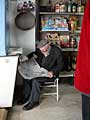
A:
(30, 69)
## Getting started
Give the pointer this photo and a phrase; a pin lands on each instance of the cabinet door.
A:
(8, 67)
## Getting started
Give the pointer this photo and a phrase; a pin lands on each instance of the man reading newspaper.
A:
(36, 71)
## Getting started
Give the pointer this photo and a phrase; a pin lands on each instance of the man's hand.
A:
(50, 74)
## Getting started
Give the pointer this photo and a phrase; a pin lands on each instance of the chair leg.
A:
(57, 89)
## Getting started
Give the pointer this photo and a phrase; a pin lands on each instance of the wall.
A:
(2, 28)
(19, 38)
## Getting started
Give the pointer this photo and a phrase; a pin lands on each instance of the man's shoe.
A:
(22, 101)
(30, 105)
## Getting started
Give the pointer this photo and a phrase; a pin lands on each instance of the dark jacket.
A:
(53, 62)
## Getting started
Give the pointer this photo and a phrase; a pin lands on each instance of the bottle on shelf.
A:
(69, 6)
(57, 7)
(42, 22)
(62, 6)
(73, 62)
(50, 5)
(73, 23)
(73, 43)
(69, 63)
(83, 2)
(80, 7)
(74, 7)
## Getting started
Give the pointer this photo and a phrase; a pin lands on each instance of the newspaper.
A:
(30, 69)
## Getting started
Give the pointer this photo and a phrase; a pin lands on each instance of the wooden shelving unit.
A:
(75, 33)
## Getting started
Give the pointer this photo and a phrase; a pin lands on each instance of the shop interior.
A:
(24, 23)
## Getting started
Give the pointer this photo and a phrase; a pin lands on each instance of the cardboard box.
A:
(3, 114)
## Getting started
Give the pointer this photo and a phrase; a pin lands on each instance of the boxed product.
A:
(64, 41)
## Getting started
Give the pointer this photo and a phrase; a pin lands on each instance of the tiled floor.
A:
(68, 107)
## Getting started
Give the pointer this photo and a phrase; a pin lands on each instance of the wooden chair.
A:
(53, 84)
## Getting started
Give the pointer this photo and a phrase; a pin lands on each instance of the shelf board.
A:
(70, 49)
(15, 51)
(54, 31)
(75, 32)
(56, 13)
(78, 31)
(66, 74)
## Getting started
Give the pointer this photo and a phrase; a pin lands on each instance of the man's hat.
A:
(42, 43)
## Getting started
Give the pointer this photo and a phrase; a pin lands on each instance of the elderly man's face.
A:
(45, 48)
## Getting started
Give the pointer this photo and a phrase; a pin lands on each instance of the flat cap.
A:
(42, 43)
